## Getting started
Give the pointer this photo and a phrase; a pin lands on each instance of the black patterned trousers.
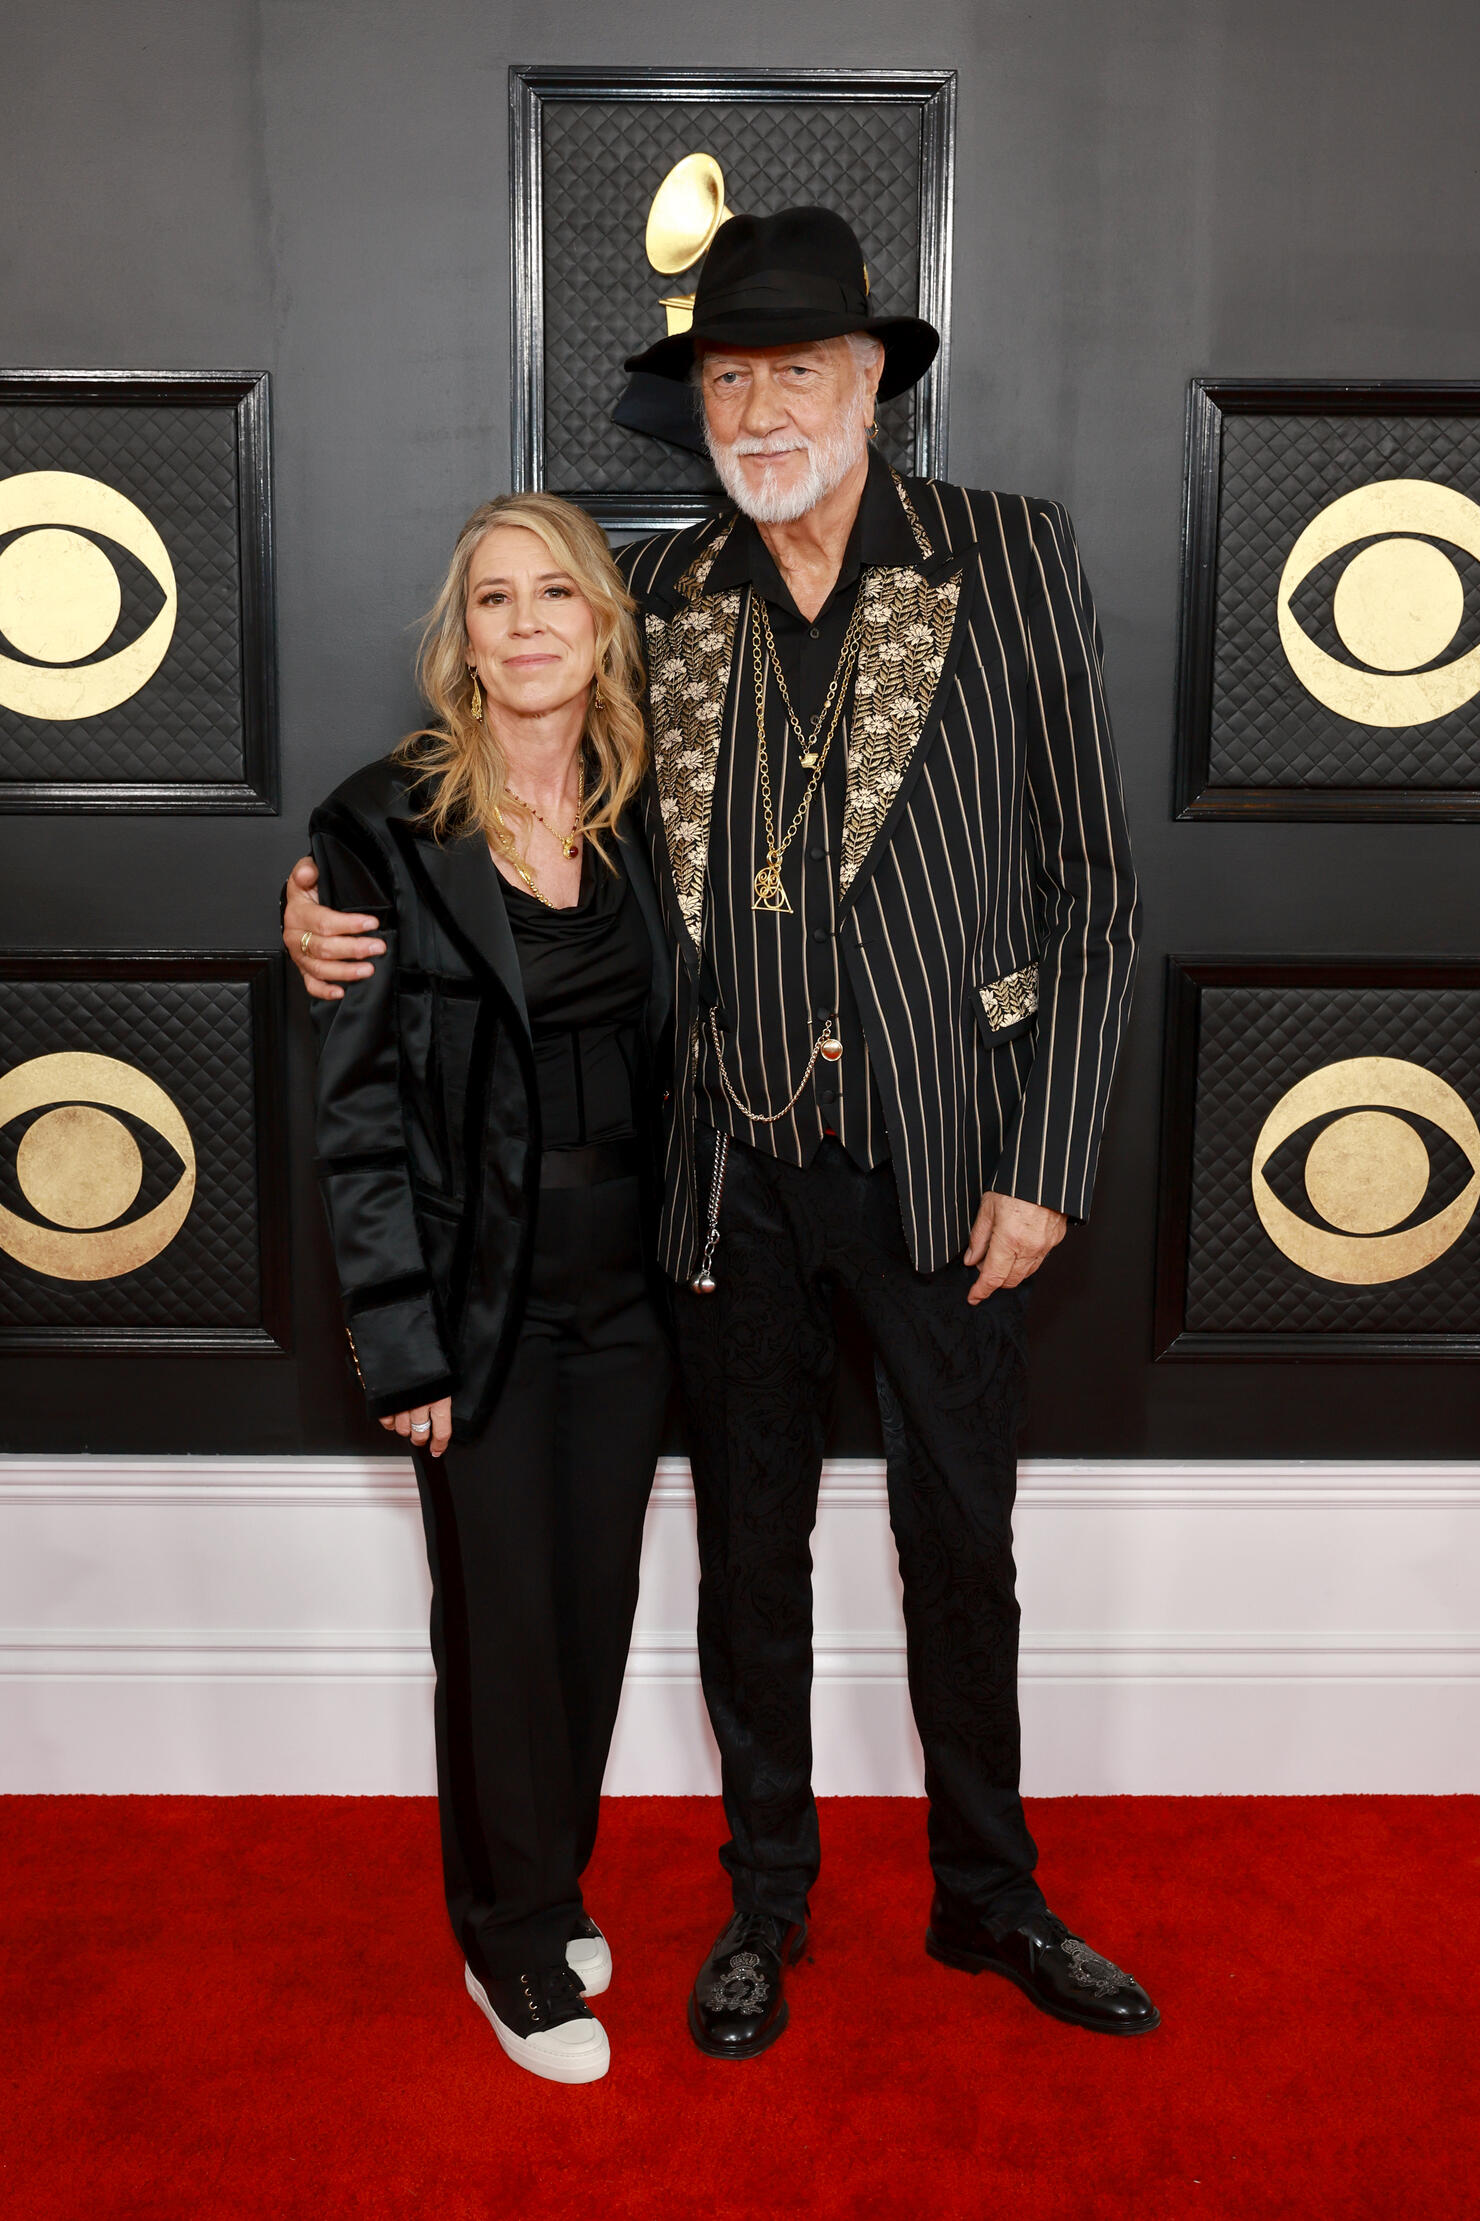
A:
(757, 1361)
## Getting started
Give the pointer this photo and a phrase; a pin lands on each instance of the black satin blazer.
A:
(428, 1120)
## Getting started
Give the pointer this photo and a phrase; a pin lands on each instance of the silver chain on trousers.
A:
(703, 1282)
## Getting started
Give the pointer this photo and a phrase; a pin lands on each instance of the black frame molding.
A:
(1186, 977)
(531, 87)
(272, 1337)
(245, 392)
(1209, 400)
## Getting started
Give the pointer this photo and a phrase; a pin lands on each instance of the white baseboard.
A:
(257, 1625)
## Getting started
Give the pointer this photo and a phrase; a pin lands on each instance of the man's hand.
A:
(334, 948)
(1009, 1241)
(429, 1427)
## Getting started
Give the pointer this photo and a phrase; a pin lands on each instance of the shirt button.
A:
(829, 1095)
(818, 855)
(815, 633)
(820, 933)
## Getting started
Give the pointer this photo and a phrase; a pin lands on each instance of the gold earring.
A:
(477, 697)
(873, 429)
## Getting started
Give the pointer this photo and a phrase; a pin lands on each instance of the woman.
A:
(482, 1123)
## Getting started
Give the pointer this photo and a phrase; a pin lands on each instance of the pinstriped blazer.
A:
(988, 905)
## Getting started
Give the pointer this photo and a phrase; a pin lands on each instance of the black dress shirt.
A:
(586, 972)
(780, 975)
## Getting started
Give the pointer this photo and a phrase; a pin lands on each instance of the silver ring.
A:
(425, 1428)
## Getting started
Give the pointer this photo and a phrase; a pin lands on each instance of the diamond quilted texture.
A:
(195, 1038)
(180, 466)
(602, 163)
(1254, 1044)
(1278, 471)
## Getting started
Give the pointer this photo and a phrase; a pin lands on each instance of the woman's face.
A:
(531, 631)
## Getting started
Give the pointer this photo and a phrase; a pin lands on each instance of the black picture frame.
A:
(532, 90)
(271, 1335)
(1197, 793)
(1187, 977)
(246, 394)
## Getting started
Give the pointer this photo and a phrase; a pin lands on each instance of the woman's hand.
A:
(428, 1427)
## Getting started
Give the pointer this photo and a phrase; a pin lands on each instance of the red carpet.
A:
(221, 2007)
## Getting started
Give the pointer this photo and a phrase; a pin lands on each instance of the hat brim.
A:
(662, 410)
(910, 344)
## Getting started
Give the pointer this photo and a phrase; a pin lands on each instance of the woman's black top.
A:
(586, 973)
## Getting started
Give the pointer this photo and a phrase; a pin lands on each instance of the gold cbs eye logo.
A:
(80, 1167)
(1397, 605)
(1367, 1171)
(60, 595)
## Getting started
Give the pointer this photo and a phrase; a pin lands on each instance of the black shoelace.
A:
(750, 1928)
(552, 1996)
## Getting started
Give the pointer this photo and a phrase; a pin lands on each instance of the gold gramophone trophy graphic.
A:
(685, 213)
(687, 210)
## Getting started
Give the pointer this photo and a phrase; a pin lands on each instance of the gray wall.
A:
(1145, 191)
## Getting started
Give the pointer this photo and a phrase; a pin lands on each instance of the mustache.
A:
(776, 444)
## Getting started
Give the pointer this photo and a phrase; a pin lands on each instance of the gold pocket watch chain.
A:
(827, 1045)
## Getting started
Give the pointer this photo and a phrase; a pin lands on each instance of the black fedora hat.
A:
(769, 281)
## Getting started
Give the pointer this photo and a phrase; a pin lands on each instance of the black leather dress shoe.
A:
(1057, 1970)
(737, 2006)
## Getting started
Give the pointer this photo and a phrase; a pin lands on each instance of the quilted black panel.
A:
(1278, 471)
(179, 465)
(604, 160)
(1255, 1043)
(194, 1037)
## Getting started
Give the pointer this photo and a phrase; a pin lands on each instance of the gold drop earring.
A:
(477, 697)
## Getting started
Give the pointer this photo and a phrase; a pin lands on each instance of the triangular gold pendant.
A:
(769, 892)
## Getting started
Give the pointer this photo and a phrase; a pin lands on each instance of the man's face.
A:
(786, 425)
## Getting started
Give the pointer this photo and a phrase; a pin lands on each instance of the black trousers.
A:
(533, 1538)
(757, 1361)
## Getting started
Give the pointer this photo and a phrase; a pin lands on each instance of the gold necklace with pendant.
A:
(769, 894)
(567, 841)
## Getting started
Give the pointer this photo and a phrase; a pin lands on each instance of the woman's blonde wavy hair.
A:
(460, 754)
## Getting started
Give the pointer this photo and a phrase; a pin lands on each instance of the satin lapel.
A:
(689, 659)
(640, 880)
(911, 638)
(462, 885)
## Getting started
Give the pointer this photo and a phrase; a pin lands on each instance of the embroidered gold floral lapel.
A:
(689, 658)
(906, 637)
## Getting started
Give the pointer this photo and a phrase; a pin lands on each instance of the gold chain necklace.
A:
(769, 894)
(808, 758)
(567, 842)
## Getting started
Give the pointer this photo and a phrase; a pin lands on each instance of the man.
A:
(887, 829)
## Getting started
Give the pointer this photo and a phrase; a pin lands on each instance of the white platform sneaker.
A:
(543, 2024)
(588, 1954)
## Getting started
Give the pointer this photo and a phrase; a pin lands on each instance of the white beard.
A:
(829, 461)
